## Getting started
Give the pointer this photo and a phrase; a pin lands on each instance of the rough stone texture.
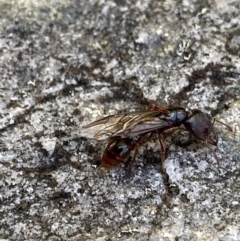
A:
(65, 63)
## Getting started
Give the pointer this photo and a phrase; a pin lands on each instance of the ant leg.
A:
(162, 148)
(162, 151)
(141, 142)
(170, 131)
(134, 159)
(157, 108)
(228, 127)
(214, 153)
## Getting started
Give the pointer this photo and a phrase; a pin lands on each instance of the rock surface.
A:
(66, 63)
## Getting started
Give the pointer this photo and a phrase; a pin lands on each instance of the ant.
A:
(127, 132)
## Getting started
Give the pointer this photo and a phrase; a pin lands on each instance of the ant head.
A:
(200, 125)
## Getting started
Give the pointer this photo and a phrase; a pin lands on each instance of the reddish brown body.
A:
(118, 151)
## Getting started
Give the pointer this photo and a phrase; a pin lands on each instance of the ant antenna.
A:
(228, 127)
(214, 153)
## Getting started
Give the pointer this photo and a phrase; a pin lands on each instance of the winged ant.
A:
(127, 132)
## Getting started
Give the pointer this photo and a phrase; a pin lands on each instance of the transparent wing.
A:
(125, 125)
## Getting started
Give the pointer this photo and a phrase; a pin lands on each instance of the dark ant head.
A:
(200, 125)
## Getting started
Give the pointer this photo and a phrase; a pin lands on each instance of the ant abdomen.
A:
(117, 152)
